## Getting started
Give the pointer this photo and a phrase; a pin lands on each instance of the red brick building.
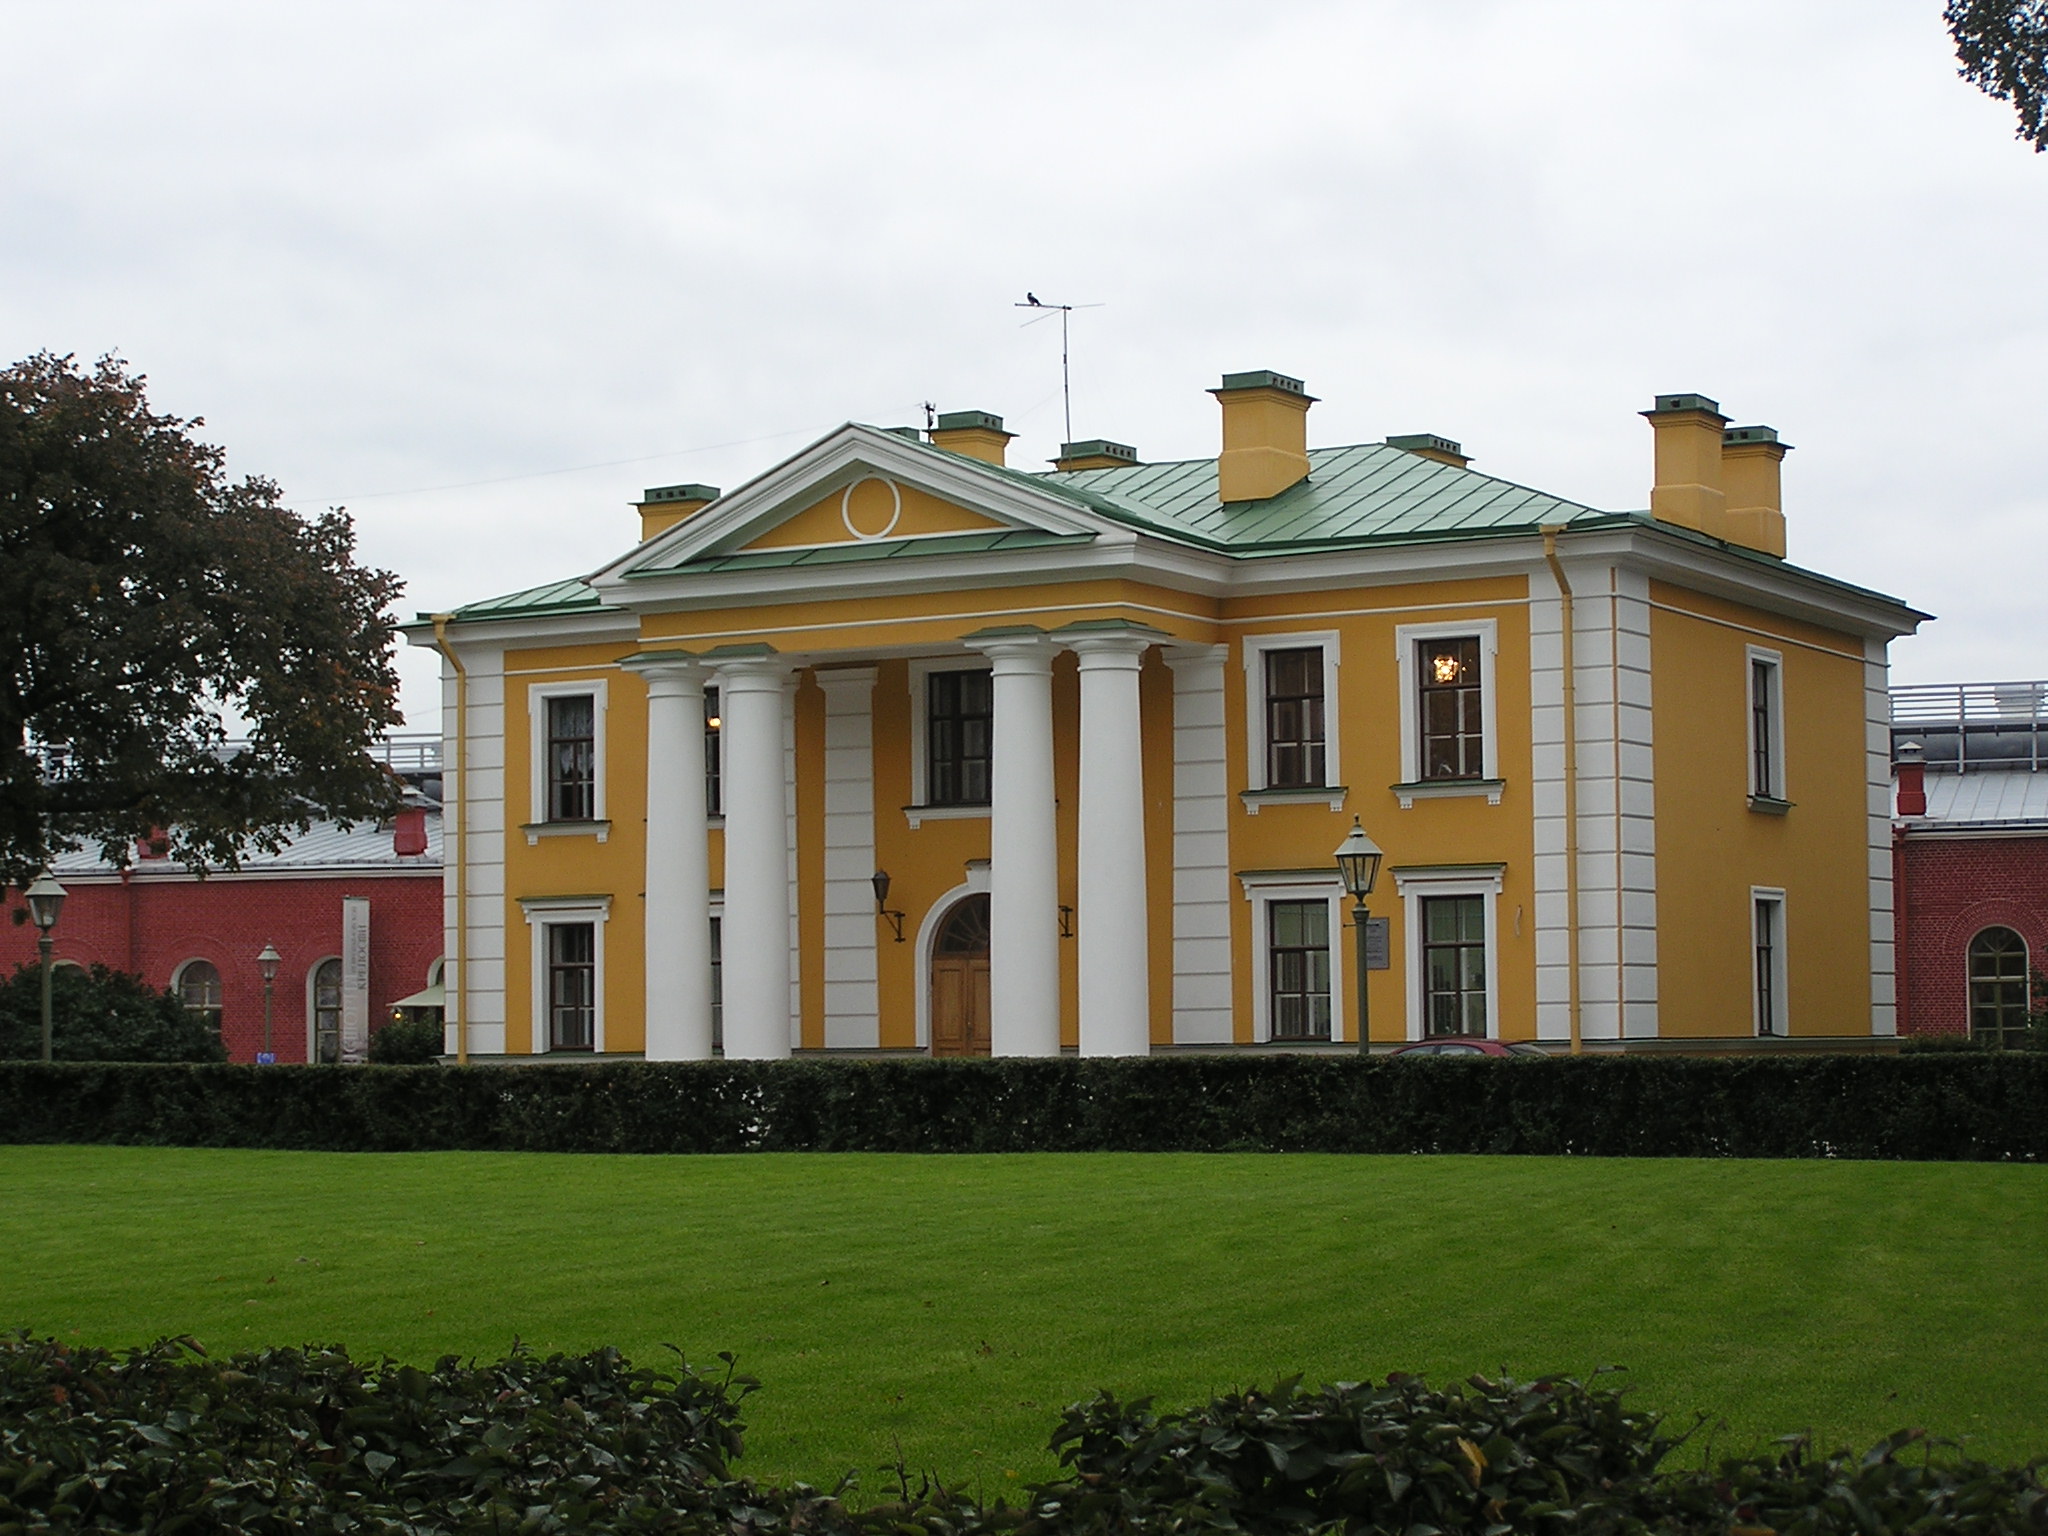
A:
(201, 937)
(1970, 856)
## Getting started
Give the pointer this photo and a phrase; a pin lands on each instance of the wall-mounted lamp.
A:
(1066, 922)
(881, 885)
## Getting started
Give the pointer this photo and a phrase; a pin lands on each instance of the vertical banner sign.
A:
(355, 978)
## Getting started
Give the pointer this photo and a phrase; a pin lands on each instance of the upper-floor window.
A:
(714, 789)
(565, 734)
(959, 725)
(1448, 742)
(1766, 725)
(1998, 987)
(1291, 714)
(1294, 718)
(1450, 723)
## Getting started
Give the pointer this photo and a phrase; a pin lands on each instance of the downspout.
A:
(1568, 619)
(458, 853)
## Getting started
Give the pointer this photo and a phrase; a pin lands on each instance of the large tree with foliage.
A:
(2003, 47)
(143, 597)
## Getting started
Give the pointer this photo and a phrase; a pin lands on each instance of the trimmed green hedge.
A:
(1961, 1106)
(279, 1441)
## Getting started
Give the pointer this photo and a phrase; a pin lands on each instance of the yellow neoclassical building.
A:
(899, 748)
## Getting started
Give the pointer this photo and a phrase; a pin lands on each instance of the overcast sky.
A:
(482, 272)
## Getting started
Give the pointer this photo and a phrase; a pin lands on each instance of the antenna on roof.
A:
(1033, 301)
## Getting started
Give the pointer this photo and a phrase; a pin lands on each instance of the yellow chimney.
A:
(974, 434)
(1750, 457)
(1427, 445)
(1096, 453)
(1688, 488)
(1265, 435)
(663, 506)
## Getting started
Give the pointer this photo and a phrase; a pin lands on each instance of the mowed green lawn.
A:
(950, 1305)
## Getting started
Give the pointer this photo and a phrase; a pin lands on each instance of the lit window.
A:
(1450, 715)
(1294, 718)
(959, 723)
(1298, 969)
(572, 986)
(1454, 965)
(1998, 987)
(714, 797)
(572, 757)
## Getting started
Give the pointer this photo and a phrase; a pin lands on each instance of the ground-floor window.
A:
(1767, 939)
(1998, 987)
(1453, 965)
(327, 1011)
(199, 990)
(718, 986)
(572, 986)
(1298, 969)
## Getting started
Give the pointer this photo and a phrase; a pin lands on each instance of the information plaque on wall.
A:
(1376, 944)
(355, 979)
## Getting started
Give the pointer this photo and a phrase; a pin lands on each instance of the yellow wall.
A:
(1712, 848)
(870, 507)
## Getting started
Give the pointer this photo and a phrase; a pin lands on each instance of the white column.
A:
(1113, 918)
(851, 1011)
(755, 928)
(1024, 892)
(678, 880)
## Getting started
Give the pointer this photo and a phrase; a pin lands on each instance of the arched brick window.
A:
(1998, 987)
(198, 988)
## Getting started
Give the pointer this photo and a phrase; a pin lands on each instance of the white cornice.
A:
(573, 627)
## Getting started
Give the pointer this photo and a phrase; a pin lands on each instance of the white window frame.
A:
(537, 696)
(1261, 890)
(1406, 639)
(1412, 885)
(921, 671)
(1781, 1022)
(1775, 660)
(543, 913)
(1253, 650)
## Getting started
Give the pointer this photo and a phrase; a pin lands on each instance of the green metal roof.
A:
(1368, 493)
(556, 597)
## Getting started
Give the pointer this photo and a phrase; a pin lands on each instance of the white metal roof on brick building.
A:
(1992, 797)
(326, 848)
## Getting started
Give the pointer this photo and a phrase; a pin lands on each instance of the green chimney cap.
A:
(954, 421)
(1669, 405)
(659, 493)
(1752, 435)
(1263, 378)
(1099, 448)
(1416, 442)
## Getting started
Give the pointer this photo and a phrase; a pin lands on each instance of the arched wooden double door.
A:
(960, 981)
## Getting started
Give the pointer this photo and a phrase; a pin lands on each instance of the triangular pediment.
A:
(860, 486)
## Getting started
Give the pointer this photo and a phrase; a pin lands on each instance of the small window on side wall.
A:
(1766, 727)
(1767, 941)
(1450, 702)
(572, 757)
(572, 986)
(1298, 969)
(1294, 718)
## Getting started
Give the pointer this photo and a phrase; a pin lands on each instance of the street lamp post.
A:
(1358, 863)
(267, 963)
(45, 900)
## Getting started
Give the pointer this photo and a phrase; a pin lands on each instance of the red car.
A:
(1466, 1045)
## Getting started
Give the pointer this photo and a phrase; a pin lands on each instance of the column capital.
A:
(666, 668)
(1114, 643)
(750, 667)
(1023, 649)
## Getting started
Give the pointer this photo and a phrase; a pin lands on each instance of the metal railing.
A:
(1960, 726)
(413, 753)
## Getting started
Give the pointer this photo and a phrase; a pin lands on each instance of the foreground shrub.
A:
(1970, 1105)
(163, 1439)
(101, 1015)
(407, 1043)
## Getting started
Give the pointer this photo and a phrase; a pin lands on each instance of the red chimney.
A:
(1911, 775)
(409, 832)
